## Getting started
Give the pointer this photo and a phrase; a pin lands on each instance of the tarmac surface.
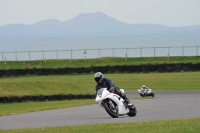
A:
(164, 106)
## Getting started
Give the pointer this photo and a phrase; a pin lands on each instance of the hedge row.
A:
(105, 69)
(11, 99)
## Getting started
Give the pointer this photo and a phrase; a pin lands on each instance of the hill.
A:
(93, 30)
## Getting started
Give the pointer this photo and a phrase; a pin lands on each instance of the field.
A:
(96, 62)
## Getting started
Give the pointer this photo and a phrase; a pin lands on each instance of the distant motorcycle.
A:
(146, 92)
(114, 104)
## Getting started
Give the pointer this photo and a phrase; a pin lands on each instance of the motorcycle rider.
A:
(109, 84)
(144, 89)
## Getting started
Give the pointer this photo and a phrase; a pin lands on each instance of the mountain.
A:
(90, 24)
(93, 30)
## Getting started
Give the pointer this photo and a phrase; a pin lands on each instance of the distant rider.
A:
(144, 89)
(109, 84)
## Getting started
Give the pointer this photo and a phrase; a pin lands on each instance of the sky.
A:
(172, 13)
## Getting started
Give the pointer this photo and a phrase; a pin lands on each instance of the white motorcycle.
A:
(146, 92)
(113, 104)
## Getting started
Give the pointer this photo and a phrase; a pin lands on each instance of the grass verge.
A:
(96, 62)
(17, 108)
(85, 84)
(160, 126)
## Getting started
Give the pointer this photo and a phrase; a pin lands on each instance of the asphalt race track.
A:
(165, 105)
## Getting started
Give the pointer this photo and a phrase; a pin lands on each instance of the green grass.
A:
(18, 108)
(85, 84)
(96, 62)
(160, 126)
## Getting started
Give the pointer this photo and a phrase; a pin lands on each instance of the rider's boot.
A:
(128, 102)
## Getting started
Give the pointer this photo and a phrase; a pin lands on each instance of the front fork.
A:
(109, 102)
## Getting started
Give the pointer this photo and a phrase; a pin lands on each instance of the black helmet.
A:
(98, 77)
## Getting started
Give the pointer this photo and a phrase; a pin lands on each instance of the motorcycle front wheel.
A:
(111, 108)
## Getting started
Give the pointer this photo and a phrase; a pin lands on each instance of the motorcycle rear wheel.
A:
(132, 111)
(113, 112)
(141, 95)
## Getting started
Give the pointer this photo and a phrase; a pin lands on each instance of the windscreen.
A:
(99, 92)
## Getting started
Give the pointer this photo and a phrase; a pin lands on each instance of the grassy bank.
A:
(18, 108)
(85, 84)
(96, 62)
(161, 126)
